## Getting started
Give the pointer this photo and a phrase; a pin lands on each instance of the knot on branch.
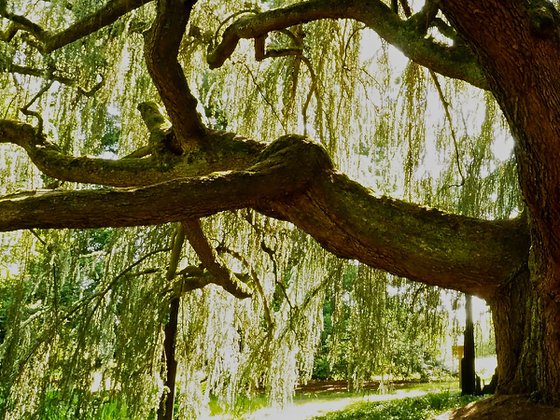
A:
(153, 116)
(301, 158)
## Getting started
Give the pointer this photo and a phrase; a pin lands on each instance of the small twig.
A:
(312, 91)
(453, 135)
(93, 90)
(26, 111)
(254, 79)
(43, 242)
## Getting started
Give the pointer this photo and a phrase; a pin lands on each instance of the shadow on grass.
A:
(415, 408)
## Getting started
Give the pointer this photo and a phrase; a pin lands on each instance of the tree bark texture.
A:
(519, 50)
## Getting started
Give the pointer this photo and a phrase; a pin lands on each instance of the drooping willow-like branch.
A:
(256, 281)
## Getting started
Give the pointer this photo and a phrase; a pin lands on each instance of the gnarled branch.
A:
(223, 276)
(461, 253)
(448, 61)
(225, 152)
(161, 48)
(47, 42)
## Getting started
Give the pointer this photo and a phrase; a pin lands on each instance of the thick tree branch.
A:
(436, 248)
(277, 173)
(470, 255)
(453, 62)
(161, 49)
(47, 42)
(225, 152)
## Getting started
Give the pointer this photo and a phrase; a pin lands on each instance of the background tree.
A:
(79, 72)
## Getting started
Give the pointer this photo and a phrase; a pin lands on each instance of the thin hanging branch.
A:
(254, 276)
(261, 53)
(451, 128)
(263, 95)
(425, 17)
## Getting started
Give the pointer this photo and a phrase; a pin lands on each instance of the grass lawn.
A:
(410, 408)
(407, 401)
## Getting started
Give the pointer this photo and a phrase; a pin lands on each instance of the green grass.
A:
(243, 405)
(416, 408)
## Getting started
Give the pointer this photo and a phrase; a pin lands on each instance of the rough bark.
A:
(462, 253)
(455, 62)
(518, 47)
(161, 49)
(518, 338)
(224, 152)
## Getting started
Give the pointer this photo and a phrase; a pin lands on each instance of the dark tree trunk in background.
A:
(165, 411)
(468, 375)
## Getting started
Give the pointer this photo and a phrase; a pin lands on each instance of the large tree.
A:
(187, 170)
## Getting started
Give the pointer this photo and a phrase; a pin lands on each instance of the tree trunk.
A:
(517, 45)
(165, 411)
(468, 374)
(523, 356)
